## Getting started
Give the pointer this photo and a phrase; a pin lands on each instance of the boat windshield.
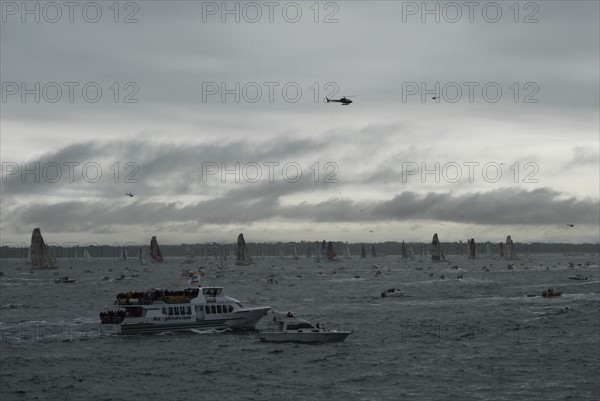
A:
(297, 326)
(211, 292)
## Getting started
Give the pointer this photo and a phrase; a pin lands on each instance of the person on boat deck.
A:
(289, 314)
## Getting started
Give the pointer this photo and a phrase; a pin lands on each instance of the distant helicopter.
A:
(344, 100)
(129, 194)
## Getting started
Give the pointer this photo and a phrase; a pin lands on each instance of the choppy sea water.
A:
(476, 338)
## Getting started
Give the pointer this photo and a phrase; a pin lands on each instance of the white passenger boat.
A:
(157, 310)
(288, 328)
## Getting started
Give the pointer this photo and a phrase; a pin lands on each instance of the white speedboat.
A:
(157, 310)
(288, 328)
(392, 292)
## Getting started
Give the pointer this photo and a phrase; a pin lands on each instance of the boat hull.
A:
(245, 319)
(151, 328)
(304, 337)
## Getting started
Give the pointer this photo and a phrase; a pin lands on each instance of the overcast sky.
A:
(213, 114)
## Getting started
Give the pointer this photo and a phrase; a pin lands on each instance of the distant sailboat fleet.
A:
(39, 256)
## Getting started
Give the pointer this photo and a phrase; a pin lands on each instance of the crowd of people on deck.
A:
(148, 297)
(112, 317)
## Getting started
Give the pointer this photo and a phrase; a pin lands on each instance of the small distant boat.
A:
(392, 292)
(292, 329)
(578, 277)
(551, 293)
(363, 253)
(64, 280)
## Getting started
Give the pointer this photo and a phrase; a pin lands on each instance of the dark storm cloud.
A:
(245, 206)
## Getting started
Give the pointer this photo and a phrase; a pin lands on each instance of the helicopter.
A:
(129, 194)
(344, 100)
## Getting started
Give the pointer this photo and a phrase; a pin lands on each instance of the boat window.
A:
(219, 310)
(188, 310)
(213, 309)
(207, 309)
(229, 308)
(176, 310)
(170, 311)
(182, 310)
(164, 310)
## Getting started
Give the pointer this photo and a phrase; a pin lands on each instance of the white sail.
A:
(347, 251)
(86, 256)
(189, 255)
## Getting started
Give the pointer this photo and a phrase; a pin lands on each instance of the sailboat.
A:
(347, 251)
(28, 259)
(40, 257)
(410, 252)
(86, 256)
(373, 253)
(404, 254)
(509, 249)
(141, 258)
(472, 249)
(189, 255)
(242, 257)
(155, 254)
(363, 253)
(294, 253)
(436, 249)
(124, 254)
(331, 255)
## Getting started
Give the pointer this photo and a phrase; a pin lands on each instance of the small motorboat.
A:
(392, 292)
(578, 277)
(551, 293)
(65, 280)
(289, 328)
